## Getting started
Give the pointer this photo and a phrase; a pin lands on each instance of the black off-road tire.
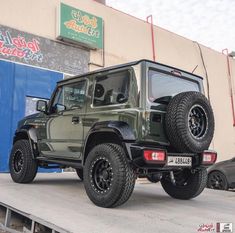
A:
(193, 185)
(79, 172)
(26, 172)
(177, 123)
(121, 176)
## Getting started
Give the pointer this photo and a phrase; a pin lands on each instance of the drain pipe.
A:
(225, 52)
(152, 34)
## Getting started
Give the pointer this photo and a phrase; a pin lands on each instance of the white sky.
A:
(210, 22)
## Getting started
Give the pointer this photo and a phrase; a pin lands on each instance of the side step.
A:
(63, 162)
(16, 221)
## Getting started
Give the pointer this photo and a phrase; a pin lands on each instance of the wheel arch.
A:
(117, 132)
(27, 132)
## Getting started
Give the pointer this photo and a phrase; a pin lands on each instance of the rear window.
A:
(165, 85)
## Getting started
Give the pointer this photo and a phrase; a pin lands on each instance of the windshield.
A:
(163, 86)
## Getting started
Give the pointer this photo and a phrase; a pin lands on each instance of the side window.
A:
(112, 89)
(68, 97)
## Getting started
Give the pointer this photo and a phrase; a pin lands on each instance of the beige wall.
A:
(127, 39)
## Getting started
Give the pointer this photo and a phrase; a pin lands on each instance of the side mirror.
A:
(41, 106)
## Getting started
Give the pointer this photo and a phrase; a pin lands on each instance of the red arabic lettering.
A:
(19, 47)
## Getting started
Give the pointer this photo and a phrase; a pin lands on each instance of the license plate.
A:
(179, 161)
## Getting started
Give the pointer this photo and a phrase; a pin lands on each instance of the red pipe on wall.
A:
(225, 52)
(152, 35)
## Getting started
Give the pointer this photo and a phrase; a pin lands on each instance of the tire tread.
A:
(30, 170)
(125, 181)
(176, 127)
(199, 181)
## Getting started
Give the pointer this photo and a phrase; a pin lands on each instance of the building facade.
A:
(44, 41)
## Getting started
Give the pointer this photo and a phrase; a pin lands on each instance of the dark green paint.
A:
(58, 137)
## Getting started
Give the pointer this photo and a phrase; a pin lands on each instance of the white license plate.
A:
(179, 161)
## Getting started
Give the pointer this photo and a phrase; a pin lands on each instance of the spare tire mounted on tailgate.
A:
(190, 122)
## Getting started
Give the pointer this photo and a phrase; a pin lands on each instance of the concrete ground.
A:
(61, 200)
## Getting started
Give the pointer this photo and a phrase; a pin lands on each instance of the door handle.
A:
(75, 120)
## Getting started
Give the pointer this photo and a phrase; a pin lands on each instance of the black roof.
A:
(125, 65)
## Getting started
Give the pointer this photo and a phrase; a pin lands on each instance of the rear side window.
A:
(112, 89)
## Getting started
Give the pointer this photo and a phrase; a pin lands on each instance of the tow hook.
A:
(172, 177)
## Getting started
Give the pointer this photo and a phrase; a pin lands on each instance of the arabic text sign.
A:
(81, 27)
(19, 47)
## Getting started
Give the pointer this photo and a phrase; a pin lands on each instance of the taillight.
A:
(209, 157)
(155, 156)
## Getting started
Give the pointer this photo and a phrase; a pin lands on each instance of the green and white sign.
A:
(81, 27)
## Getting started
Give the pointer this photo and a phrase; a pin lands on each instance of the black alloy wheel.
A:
(18, 161)
(189, 122)
(102, 175)
(198, 121)
(217, 180)
(109, 179)
(23, 167)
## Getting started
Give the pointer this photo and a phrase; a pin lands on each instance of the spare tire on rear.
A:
(190, 122)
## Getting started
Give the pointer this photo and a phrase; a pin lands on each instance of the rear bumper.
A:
(138, 160)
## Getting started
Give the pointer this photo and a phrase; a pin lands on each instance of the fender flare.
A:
(120, 128)
(30, 131)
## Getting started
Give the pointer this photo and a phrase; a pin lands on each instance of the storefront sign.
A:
(19, 47)
(23, 47)
(80, 27)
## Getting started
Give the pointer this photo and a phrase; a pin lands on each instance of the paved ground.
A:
(61, 199)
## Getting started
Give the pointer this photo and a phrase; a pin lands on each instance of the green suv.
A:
(141, 119)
